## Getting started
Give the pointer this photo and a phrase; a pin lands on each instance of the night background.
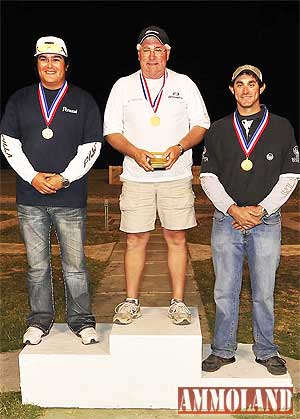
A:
(209, 39)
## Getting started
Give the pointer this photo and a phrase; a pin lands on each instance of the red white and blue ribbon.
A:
(147, 95)
(248, 147)
(49, 113)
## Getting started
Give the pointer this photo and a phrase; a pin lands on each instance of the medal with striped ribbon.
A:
(48, 114)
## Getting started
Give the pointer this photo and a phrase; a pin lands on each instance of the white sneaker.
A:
(89, 336)
(179, 312)
(33, 336)
(126, 312)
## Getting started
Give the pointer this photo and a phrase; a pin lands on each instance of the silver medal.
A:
(47, 133)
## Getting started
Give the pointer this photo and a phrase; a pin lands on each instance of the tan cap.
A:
(248, 67)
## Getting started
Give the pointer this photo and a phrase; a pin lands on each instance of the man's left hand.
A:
(172, 154)
(255, 210)
(56, 182)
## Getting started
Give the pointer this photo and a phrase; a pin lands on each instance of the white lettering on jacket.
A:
(64, 109)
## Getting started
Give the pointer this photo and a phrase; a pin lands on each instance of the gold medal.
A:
(155, 120)
(47, 133)
(246, 164)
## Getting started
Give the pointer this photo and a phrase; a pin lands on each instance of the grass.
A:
(202, 232)
(289, 236)
(11, 407)
(14, 296)
(95, 232)
(295, 415)
(287, 312)
(4, 217)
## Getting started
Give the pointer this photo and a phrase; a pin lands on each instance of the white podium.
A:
(140, 365)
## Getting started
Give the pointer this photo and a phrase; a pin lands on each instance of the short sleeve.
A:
(198, 114)
(9, 123)
(93, 130)
(209, 160)
(291, 163)
(113, 115)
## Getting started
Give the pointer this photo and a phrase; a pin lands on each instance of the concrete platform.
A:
(245, 372)
(140, 365)
(135, 366)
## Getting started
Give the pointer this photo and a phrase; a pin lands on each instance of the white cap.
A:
(50, 45)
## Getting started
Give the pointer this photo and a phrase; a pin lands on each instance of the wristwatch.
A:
(65, 182)
(182, 150)
(264, 212)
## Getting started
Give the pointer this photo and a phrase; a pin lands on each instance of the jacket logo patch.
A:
(204, 157)
(65, 109)
(296, 154)
(175, 95)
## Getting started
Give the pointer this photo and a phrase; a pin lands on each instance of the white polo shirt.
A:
(128, 112)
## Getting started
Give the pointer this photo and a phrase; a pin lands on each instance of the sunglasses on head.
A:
(50, 47)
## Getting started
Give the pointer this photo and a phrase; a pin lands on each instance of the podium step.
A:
(245, 372)
(140, 365)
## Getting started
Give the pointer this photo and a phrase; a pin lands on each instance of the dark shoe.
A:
(214, 363)
(275, 365)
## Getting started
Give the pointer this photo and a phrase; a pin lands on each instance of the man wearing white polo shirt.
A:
(154, 117)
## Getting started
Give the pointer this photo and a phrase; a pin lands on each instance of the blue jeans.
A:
(261, 246)
(35, 225)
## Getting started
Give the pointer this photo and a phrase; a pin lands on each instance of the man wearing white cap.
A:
(51, 135)
(250, 167)
(154, 117)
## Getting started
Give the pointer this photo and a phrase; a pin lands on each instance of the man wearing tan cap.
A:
(51, 135)
(154, 117)
(250, 167)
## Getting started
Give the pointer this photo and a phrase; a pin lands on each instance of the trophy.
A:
(157, 162)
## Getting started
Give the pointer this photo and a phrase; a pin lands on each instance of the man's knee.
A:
(137, 240)
(175, 237)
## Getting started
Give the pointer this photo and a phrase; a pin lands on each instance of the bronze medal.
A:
(47, 133)
(246, 164)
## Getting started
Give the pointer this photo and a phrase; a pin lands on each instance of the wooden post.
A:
(114, 175)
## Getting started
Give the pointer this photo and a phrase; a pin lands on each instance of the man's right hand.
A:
(42, 185)
(142, 157)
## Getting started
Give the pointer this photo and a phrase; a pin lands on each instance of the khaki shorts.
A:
(173, 201)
